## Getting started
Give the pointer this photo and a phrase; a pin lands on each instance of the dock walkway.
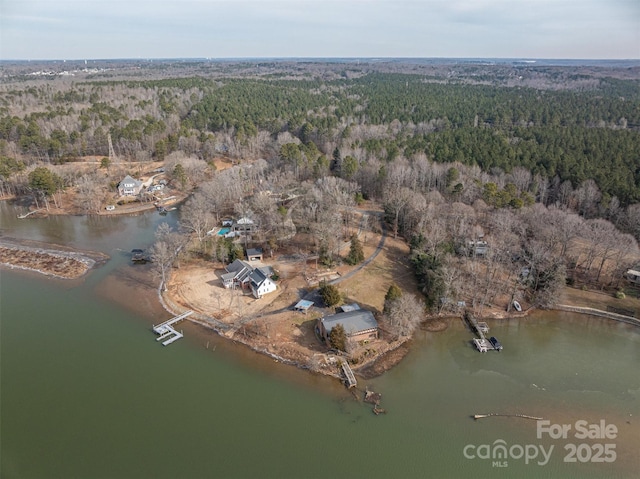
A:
(167, 334)
(350, 377)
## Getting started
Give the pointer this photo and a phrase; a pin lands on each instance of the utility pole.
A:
(112, 154)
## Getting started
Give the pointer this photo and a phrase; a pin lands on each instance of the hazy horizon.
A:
(252, 29)
(371, 59)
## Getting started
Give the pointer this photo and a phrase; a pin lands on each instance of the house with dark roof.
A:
(237, 274)
(358, 324)
(130, 186)
(260, 283)
(242, 274)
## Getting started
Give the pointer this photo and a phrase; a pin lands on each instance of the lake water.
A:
(87, 392)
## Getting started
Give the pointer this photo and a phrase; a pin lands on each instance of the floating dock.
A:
(167, 334)
(483, 345)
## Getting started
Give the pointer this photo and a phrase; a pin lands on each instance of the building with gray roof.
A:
(358, 324)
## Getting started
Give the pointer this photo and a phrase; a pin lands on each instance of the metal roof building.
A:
(358, 324)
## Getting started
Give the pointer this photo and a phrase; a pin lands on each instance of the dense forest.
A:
(508, 138)
(572, 135)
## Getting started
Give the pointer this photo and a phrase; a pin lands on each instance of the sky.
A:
(92, 29)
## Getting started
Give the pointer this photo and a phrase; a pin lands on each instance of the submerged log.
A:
(480, 416)
(378, 410)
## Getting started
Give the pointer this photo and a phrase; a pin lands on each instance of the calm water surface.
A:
(86, 392)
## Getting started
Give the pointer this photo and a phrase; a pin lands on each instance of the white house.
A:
(261, 284)
(240, 273)
(129, 186)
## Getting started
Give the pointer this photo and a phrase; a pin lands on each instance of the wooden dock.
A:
(477, 328)
(167, 334)
(350, 378)
(480, 328)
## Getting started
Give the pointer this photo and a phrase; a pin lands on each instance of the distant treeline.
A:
(574, 135)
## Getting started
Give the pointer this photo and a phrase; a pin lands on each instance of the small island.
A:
(51, 260)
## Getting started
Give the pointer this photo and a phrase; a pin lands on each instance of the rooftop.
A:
(303, 304)
(353, 322)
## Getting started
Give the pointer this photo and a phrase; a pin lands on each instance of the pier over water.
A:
(167, 334)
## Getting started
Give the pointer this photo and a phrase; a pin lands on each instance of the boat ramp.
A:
(167, 334)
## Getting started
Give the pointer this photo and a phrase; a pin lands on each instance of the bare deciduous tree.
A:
(165, 251)
(196, 218)
(404, 315)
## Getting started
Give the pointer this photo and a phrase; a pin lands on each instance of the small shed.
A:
(303, 306)
(254, 254)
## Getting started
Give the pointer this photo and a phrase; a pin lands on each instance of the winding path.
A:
(383, 237)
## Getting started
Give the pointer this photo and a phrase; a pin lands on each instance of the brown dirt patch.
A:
(385, 362)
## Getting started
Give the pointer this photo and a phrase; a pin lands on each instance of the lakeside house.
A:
(244, 226)
(130, 186)
(358, 324)
(242, 274)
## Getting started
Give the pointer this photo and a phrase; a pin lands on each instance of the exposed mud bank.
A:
(48, 259)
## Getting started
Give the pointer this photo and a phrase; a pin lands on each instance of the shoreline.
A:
(131, 208)
(391, 356)
(382, 363)
(387, 359)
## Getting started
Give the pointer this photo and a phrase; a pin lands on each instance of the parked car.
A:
(110, 208)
